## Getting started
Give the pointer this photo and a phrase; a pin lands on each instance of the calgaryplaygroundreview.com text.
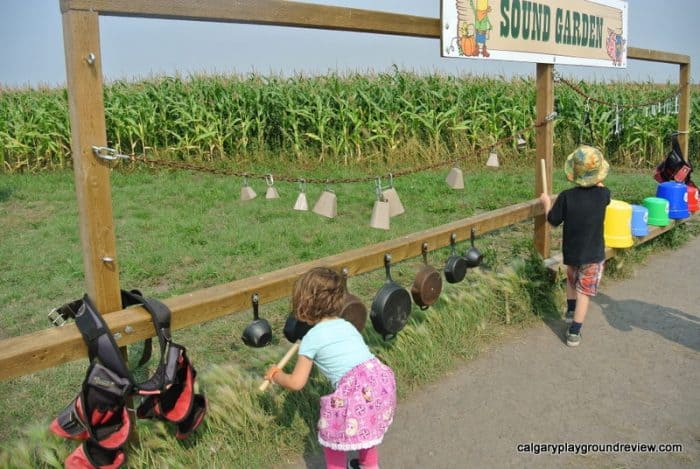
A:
(585, 448)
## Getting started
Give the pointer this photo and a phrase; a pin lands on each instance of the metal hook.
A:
(109, 154)
(270, 180)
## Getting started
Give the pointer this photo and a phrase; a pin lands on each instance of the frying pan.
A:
(294, 329)
(353, 309)
(391, 306)
(473, 256)
(456, 265)
(427, 286)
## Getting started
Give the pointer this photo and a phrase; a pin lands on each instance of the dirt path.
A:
(635, 378)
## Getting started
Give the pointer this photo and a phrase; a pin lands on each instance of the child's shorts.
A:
(586, 277)
(359, 412)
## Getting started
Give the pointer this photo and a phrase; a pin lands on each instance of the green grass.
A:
(179, 231)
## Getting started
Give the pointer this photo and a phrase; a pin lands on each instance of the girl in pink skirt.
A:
(358, 413)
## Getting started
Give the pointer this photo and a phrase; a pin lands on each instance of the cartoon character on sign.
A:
(467, 42)
(615, 46)
(482, 24)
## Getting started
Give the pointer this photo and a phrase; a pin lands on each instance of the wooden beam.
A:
(545, 142)
(270, 12)
(651, 55)
(44, 349)
(85, 102)
(684, 108)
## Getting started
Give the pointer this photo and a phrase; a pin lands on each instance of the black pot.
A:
(456, 265)
(258, 333)
(294, 329)
(391, 306)
(473, 256)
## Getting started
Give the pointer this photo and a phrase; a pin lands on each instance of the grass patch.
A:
(179, 231)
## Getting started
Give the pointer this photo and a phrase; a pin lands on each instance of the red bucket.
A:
(693, 199)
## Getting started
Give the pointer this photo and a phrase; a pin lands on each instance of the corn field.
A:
(397, 118)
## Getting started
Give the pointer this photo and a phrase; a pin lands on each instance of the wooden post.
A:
(684, 108)
(545, 141)
(86, 105)
(81, 37)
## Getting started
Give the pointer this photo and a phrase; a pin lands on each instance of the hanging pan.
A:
(258, 333)
(427, 286)
(294, 329)
(391, 306)
(456, 265)
(353, 309)
(473, 256)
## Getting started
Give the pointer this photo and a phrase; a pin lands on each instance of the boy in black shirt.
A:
(582, 210)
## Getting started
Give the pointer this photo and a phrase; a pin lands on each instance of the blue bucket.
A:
(677, 196)
(640, 220)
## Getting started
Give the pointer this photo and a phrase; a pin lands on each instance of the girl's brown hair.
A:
(317, 294)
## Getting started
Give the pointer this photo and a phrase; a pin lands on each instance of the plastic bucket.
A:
(617, 228)
(640, 220)
(677, 196)
(693, 199)
(658, 211)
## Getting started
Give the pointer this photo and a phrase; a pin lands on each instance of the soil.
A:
(635, 378)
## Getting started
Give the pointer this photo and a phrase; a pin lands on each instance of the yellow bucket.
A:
(617, 228)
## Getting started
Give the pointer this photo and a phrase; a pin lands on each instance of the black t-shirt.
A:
(582, 210)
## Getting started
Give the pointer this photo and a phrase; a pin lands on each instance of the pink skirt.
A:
(359, 412)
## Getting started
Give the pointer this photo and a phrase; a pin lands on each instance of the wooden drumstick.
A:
(544, 176)
(287, 356)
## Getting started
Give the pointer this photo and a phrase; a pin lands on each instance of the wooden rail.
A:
(298, 14)
(44, 349)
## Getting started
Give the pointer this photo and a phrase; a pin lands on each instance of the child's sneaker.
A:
(569, 317)
(572, 340)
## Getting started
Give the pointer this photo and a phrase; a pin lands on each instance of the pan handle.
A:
(453, 241)
(387, 267)
(424, 251)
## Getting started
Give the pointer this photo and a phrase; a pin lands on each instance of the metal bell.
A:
(455, 179)
(381, 210)
(521, 143)
(271, 191)
(302, 204)
(492, 162)
(247, 192)
(380, 215)
(326, 205)
(391, 196)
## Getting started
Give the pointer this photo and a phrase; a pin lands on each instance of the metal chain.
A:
(110, 154)
(560, 79)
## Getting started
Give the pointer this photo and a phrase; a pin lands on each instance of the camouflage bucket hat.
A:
(586, 166)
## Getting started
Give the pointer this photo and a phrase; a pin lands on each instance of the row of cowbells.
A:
(388, 203)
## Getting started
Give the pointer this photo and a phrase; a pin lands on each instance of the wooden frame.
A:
(51, 347)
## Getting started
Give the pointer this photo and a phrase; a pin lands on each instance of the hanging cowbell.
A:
(380, 211)
(326, 205)
(301, 204)
(271, 191)
(247, 192)
(521, 143)
(391, 196)
(455, 179)
(492, 161)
